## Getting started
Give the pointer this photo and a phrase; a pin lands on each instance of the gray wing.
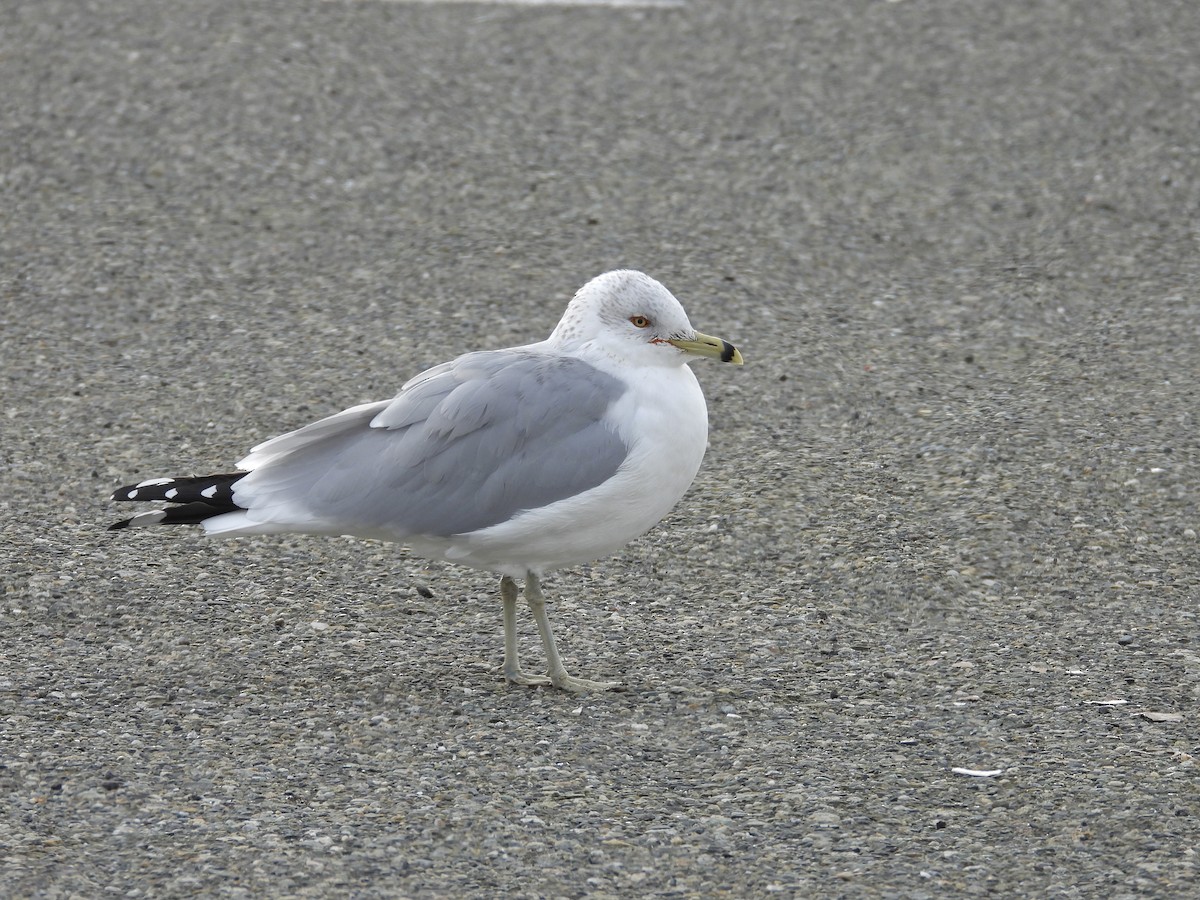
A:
(466, 445)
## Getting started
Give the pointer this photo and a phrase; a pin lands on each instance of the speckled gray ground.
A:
(948, 518)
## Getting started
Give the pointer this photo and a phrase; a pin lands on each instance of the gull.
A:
(515, 461)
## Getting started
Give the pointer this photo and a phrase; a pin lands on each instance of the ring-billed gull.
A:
(516, 461)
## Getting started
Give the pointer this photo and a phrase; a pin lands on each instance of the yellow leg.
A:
(558, 673)
(512, 665)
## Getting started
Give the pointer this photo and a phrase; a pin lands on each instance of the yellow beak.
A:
(707, 345)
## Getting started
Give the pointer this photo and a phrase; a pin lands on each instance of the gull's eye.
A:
(639, 321)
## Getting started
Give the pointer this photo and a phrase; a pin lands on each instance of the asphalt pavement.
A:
(926, 624)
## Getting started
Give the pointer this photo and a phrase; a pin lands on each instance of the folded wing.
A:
(463, 446)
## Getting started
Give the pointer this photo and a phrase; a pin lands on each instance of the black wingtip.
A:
(117, 526)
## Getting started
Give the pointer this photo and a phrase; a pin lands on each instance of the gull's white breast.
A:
(663, 420)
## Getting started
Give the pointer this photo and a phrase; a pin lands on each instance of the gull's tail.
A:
(197, 498)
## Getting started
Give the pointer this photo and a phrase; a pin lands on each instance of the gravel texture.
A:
(948, 520)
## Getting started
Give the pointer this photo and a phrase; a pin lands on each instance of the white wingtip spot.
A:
(209, 492)
(171, 494)
(132, 495)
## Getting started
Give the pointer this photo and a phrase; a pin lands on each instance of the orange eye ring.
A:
(639, 321)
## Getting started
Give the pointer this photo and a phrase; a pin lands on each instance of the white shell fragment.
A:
(977, 773)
